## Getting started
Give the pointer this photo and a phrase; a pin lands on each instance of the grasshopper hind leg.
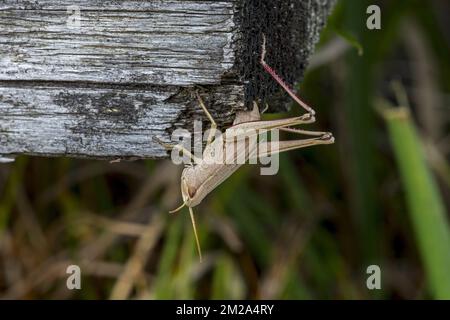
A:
(277, 147)
(280, 81)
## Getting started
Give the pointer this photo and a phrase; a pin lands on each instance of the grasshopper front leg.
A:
(182, 149)
(210, 117)
(178, 147)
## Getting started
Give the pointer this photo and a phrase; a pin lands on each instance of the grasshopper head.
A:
(188, 193)
(190, 180)
(185, 190)
(187, 199)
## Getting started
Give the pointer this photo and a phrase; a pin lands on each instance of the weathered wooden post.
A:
(91, 78)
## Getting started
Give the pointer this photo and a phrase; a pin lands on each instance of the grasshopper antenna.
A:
(178, 209)
(280, 81)
(191, 212)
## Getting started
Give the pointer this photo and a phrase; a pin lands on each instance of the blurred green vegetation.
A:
(379, 195)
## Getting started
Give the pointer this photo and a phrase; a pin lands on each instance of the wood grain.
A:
(101, 122)
(158, 42)
(128, 72)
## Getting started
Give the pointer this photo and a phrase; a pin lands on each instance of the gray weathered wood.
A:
(128, 73)
(99, 121)
(157, 42)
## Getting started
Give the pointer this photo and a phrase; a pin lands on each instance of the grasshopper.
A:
(199, 179)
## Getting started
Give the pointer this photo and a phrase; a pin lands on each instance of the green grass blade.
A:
(425, 205)
(227, 282)
(164, 286)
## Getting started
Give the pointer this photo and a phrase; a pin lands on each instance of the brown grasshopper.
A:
(199, 179)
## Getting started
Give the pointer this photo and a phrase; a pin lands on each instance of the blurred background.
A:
(378, 196)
